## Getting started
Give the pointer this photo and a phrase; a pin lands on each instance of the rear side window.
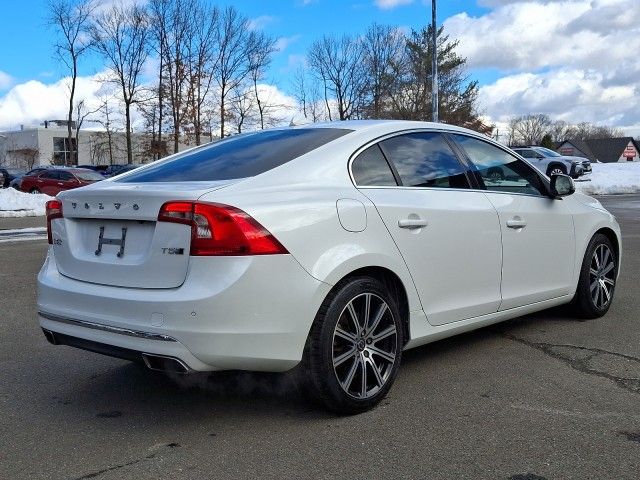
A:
(89, 176)
(238, 157)
(526, 153)
(425, 159)
(53, 175)
(370, 168)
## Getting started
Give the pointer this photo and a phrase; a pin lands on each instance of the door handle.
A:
(516, 222)
(60, 183)
(412, 223)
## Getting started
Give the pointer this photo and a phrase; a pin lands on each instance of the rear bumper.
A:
(250, 313)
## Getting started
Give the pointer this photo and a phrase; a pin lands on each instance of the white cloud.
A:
(259, 23)
(283, 42)
(567, 94)
(32, 102)
(574, 60)
(389, 4)
(5, 80)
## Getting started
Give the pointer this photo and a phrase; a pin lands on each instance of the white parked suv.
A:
(331, 248)
(553, 163)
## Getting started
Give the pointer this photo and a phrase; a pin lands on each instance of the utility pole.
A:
(434, 63)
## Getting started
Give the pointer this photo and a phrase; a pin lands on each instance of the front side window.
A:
(65, 176)
(499, 170)
(242, 156)
(370, 168)
(424, 159)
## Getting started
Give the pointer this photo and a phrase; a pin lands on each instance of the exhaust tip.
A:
(163, 363)
(50, 336)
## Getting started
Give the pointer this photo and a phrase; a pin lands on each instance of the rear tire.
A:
(355, 346)
(598, 275)
(34, 190)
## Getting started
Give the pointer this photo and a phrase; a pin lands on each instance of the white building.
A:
(47, 144)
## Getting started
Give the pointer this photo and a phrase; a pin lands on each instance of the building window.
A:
(62, 150)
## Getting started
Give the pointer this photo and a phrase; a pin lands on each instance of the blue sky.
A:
(574, 60)
(26, 51)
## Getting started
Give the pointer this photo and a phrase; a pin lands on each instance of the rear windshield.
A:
(88, 176)
(238, 157)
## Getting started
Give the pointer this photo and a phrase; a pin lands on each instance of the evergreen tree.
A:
(409, 96)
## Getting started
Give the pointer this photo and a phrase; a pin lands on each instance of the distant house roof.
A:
(610, 149)
(582, 146)
(603, 149)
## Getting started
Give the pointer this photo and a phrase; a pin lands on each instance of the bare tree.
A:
(384, 50)
(120, 34)
(306, 92)
(260, 53)
(71, 19)
(232, 39)
(204, 58)
(81, 114)
(529, 129)
(242, 107)
(158, 12)
(338, 63)
(104, 142)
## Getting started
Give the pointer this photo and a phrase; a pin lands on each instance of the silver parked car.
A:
(553, 163)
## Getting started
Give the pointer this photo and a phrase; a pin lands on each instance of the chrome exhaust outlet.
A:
(163, 363)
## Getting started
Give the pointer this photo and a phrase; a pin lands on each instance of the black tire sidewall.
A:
(583, 300)
(320, 351)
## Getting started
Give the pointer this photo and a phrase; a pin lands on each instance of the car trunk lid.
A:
(110, 234)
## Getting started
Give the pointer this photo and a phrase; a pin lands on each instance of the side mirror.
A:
(562, 185)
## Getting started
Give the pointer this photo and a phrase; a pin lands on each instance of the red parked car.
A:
(54, 180)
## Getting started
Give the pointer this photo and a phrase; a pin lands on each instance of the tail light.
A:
(218, 229)
(54, 210)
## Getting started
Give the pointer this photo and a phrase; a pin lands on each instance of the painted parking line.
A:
(23, 234)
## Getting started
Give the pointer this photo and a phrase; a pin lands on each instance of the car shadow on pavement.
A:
(132, 390)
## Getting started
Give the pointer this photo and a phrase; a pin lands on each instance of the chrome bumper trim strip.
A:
(107, 328)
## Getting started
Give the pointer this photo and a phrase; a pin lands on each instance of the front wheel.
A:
(597, 282)
(354, 347)
(556, 170)
(34, 191)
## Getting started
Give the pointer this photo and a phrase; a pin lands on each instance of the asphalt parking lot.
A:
(539, 397)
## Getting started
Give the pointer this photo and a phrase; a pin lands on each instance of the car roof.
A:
(386, 126)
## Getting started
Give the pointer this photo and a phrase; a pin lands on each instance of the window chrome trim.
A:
(107, 328)
(443, 131)
(448, 189)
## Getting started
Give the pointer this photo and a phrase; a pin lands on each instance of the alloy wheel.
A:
(364, 346)
(602, 276)
(556, 171)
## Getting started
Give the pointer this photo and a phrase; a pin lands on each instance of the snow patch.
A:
(611, 179)
(14, 203)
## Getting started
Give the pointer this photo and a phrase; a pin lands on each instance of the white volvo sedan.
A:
(331, 248)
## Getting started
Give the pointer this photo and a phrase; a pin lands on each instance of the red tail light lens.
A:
(218, 229)
(54, 210)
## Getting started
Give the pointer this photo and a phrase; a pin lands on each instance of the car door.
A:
(66, 181)
(538, 239)
(447, 233)
(47, 182)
